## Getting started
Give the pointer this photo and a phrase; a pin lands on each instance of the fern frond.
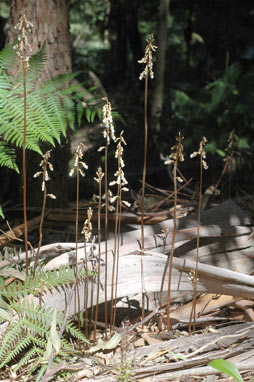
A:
(11, 121)
(40, 374)
(35, 327)
(75, 332)
(58, 83)
(41, 342)
(41, 282)
(24, 360)
(11, 338)
(66, 348)
(36, 66)
(23, 343)
(55, 278)
(7, 157)
(80, 112)
(29, 334)
(36, 318)
(8, 56)
(69, 106)
(72, 89)
(51, 107)
(47, 115)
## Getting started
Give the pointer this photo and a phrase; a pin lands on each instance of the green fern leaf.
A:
(24, 360)
(80, 112)
(11, 338)
(75, 332)
(7, 157)
(8, 56)
(23, 343)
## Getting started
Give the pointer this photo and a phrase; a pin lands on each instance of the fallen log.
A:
(18, 231)
(229, 250)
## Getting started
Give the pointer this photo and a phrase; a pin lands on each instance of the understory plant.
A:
(194, 276)
(146, 73)
(31, 335)
(226, 367)
(46, 165)
(230, 154)
(174, 158)
(50, 107)
(121, 183)
(100, 175)
(125, 367)
(79, 166)
(23, 49)
(32, 114)
(108, 134)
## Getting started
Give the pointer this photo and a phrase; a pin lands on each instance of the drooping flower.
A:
(148, 59)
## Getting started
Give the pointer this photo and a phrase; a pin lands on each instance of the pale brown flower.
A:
(148, 59)
(201, 152)
(23, 48)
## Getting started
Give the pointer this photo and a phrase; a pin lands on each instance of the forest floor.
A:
(145, 349)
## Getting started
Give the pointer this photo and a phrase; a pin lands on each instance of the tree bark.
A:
(50, 19)
(157, 94)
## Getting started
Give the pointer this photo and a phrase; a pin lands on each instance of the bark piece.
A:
(18, 231)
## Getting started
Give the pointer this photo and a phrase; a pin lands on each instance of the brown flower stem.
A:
(194, 274)
(22, 48)
(41, 224)
(229, 158)
(106, 238)
(76, 238)
(114, 263)
(195, 281)
(91, 298)
(117, 252)
(230, 177)
(24, 168)
(172, 245)
(99, 262)
(143, 197)
(86, 292)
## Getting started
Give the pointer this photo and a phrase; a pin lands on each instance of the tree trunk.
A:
(50, 19)
(161, 42)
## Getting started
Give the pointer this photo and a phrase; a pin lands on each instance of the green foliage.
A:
(226, 367)
(87, 21)
(124, 372)
(91, 114)
(217, 108)
(32, 333)
(51, 106)
(224, 90)
(1, 210)
(37, 284)
(7, 156)
(45, 114)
